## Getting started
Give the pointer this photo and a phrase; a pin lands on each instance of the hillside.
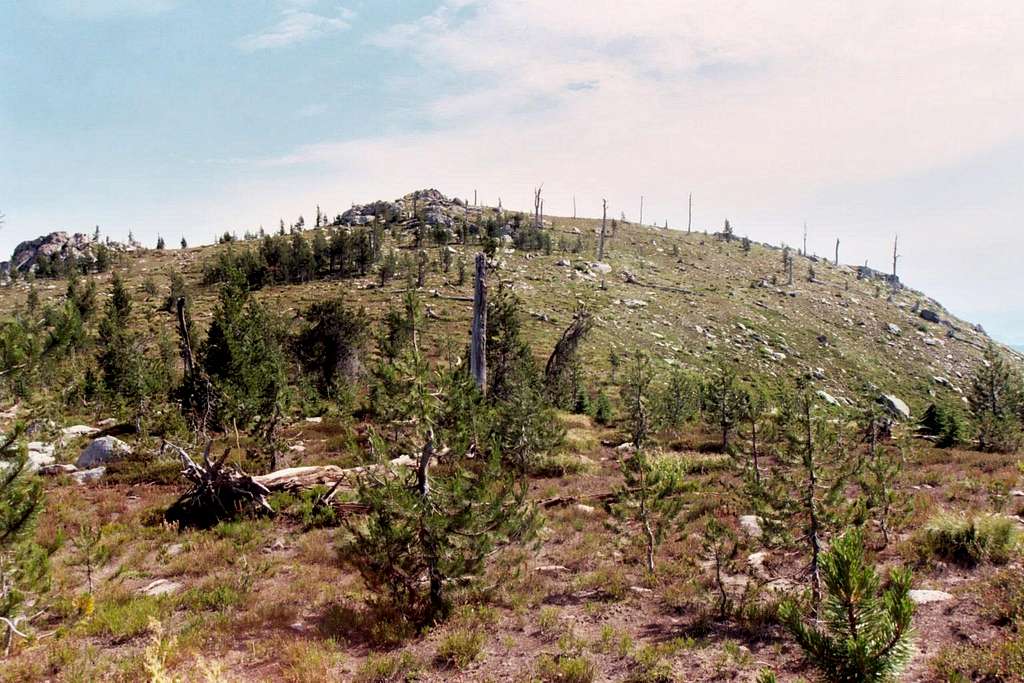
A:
(270, 599)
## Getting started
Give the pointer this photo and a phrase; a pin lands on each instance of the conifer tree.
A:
(723, 400)
(865, 632)
(995, 401)
(23, 564)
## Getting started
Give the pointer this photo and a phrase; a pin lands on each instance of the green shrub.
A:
(566, 669)
(970, 540)
(460, 648)
(387, 668)
(867, 632)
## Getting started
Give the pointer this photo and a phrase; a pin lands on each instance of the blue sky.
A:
(188, 117)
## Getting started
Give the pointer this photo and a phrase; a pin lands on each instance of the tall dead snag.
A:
(199, 396)
(561, 363)
(604, 220)
(478, 346)
(689, 215)
(538, 215)
(837, 252)
(895, 256)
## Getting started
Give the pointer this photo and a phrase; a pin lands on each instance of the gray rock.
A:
(751, 524)
(930, 315)
(896, 406)
(923, 597)
(101, 451)
(894, 330)
(599, 267)
(86, 476)
(75, 431)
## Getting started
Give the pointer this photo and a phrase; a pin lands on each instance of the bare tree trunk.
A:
(604, 220)
(805, 238)
(895, 255)
(837, 252)
(641, 209)
(478, 346)
(186, 342)
(689, 215)
(574, 206)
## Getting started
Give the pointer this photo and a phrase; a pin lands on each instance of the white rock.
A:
(923, 597)
(552, 569)
(827, 397)
(40, 454)
(161, 587)
(75, 431)
(314, 420)
(585, 509)
(751, 524)
(896, 406)
(602, 268)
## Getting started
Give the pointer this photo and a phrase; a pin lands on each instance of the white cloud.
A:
(296, 25)
(758, 108)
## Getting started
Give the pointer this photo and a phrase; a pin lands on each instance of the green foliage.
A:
(946, 424)
(635, 395)
(865, 632)
(995, 401)
(971, 540)
(678, 401)
(602, 409)
(723, 397)
(243, 357)
(460, 648)
(652, 496)
(23, 563)
(332, 342)
(566, 669)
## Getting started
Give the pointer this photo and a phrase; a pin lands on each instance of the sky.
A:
(863, 119)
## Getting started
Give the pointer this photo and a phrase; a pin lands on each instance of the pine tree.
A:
(332, 343)
(866, 632)
(243, 356)
(160, 243)
(723, 400)
(23, 564)
(995, 401)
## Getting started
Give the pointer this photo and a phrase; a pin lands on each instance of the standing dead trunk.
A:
(895, 256)
(641, 209)
(604, 220)
(689, 215)
(478, 346)
(837, 252)
(186, 342)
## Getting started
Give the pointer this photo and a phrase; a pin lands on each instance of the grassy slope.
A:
(286, 611)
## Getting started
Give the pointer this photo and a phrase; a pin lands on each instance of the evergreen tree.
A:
(332, 343)
(723, 400)
(243, 357)
(23, 564)
(184, 243)
(995, 401)
(160, 242)
(865, 632)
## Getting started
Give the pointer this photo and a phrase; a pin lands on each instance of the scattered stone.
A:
(894, 330)
(896, 406)
(1017, 493)
(585, 509)
(756, 563)
(314, 420)
(57, 469)
(602, 268)
(640, 590)
(40, 454)
(827, 397)
(634, 303)
(70, 433)
(751, 525)
(86, 476)
(161, 587)
(924, 597)
(552, 569)
(101, 451)
(175, 549)
(930, 315)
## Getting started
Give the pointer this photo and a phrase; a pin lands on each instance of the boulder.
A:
(599, 267)
(101, 451)
(40, 454)
(923, 597)
(161, 587)
(751, 525)
(894, 330)
(930, 315)
(827, 397)
(895, 406)
(86, 476)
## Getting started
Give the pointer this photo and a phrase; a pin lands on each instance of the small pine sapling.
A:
(865, 632)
